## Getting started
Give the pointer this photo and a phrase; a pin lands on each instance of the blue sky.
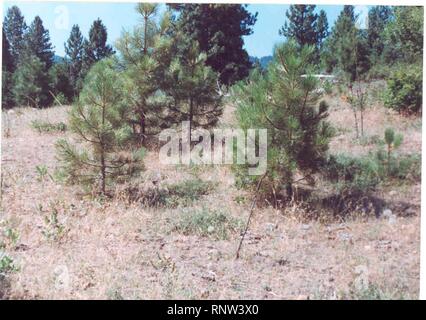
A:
(58, 18)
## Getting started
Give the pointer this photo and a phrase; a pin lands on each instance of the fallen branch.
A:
(249, 218)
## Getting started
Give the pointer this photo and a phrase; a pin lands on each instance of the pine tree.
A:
(74, 55)
(7, 70)
(60, 82)
(404, 35)
(378, 18)
(7, 59)
(145, 55)
(97, 120)
(322, 29)
(289, 106)
(302, 25)
(349, 45)
(193, 89)
(38, 43)
(219, 30)
(95, 48)
(404, 46)
(15, 29)
(30, 83)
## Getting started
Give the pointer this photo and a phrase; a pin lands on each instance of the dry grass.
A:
(115, 250)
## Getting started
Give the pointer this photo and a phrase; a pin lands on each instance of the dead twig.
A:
(250, 215)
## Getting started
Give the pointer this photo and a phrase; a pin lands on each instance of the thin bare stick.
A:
(249, 218)
(56, 99)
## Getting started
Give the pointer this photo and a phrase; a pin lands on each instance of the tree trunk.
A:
(145, 32)
(103, 173)
(289, 189)
(191, 116)
(356, 122)
(102, 147)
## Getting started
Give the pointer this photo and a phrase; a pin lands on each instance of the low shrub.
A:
(353, 175)
(174, 195)
(11, 237)
(42, 172)
(203, 222)
(44, 126)
(61, 99)
(53, 229)
(404, 92)
(328, 87)
(188, 191)
(362, 174)
(7, 264)
(373, 292)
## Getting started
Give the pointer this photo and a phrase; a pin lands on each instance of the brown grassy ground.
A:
(114, 250)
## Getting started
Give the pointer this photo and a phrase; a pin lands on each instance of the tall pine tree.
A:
(301, 25)
(60, 82)
(347, 46)
(378, 18)
(219, 30)
(404, 35)
(95, 48)
(15, 28)
(145, 53)
(38, 42)
(7, 71)
(74, 55)
(322, 29)
(30, 82)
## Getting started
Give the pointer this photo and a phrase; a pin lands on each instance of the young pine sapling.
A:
(97, 121)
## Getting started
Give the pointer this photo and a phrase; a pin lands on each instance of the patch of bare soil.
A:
(116, 250)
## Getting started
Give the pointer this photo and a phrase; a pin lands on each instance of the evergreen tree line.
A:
(390, 36)
(31, 76)
(393, 38)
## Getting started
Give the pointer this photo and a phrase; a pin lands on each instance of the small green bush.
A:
(53, 230)
(189, 191)
(44, 126)
(7, 264)
(366, 140)
(11, 236)
(207, 223)
(354, 175)
(404, 92)
(362, 174)
(61, 99)
(409, 166)
(328, 87)
(379, 71)
(179, 194)
(373, 292)
(42, 172)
